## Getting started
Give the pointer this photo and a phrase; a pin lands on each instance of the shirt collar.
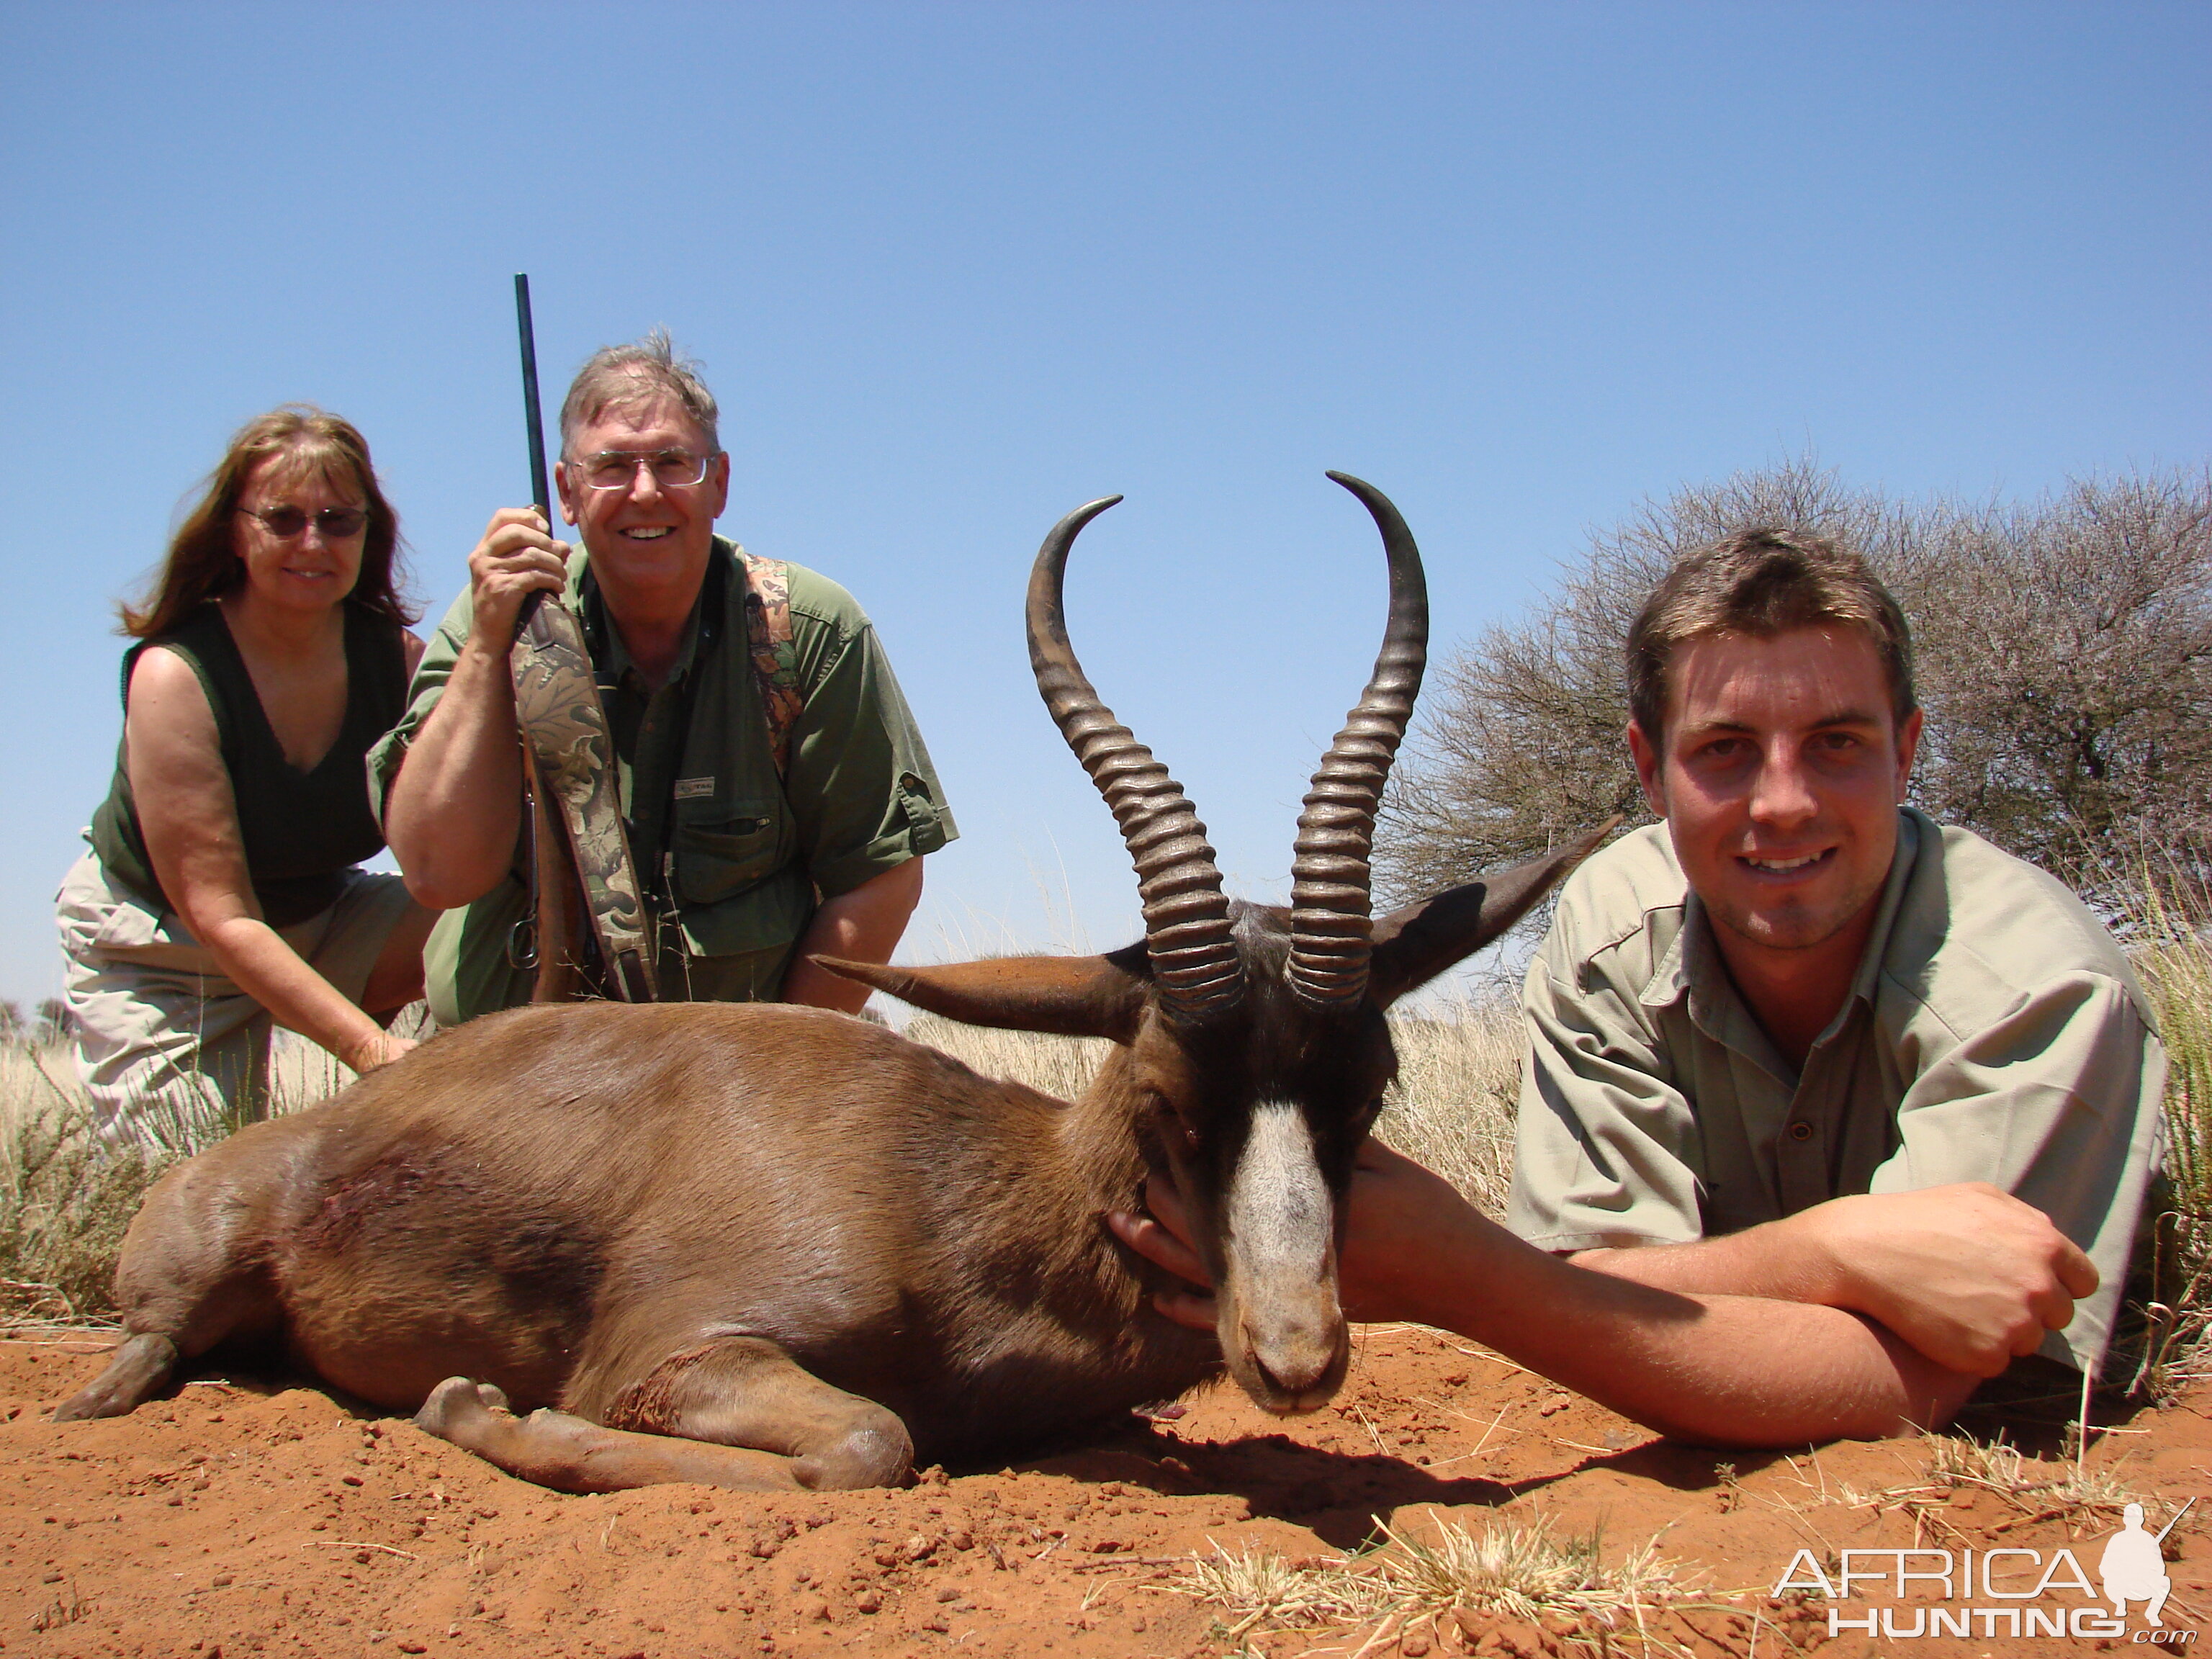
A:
(1691, 966)
(611, 657)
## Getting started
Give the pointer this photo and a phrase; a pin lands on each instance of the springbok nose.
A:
(1288, 1387)
(1298, 1371)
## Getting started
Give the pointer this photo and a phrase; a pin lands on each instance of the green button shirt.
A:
(733, 857)
(1994, 1032)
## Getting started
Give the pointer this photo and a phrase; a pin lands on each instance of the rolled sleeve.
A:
(2058, 1102)
(860, 785)
(1605, 1151)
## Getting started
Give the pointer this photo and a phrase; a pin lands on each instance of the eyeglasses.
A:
(337, 523)
(617, 469)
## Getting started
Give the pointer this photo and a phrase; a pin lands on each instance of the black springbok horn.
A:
(1195, 961)
(1329, 906)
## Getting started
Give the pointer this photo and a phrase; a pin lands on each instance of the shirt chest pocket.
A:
(722, 848)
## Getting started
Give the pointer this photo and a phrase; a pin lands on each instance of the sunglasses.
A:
(337, 523)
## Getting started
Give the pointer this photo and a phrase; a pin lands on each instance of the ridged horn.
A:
(1195, 960)
(1329, 903)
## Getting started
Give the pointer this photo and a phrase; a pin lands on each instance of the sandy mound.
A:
(253, 1516)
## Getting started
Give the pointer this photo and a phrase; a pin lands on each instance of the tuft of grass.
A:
(2035, 1490)
(2173, 955)
(1256, 1585)
(1527, 1573)
(64, 1609)
(65, 1198)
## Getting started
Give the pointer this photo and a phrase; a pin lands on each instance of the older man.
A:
(760, 837)
(1829, 1112)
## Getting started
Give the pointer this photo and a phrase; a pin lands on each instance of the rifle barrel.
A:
(2176, 1522)
(533, 417)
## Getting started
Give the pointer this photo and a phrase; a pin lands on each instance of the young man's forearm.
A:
(1716, 1368)
(1772, 1261)
(1970, 1276)
(1721, 1369)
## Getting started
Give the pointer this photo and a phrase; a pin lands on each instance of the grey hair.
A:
(623, 373)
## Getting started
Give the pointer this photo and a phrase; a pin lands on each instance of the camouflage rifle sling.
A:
(556, 702)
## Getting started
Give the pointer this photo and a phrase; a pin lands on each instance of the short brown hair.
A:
(1763, 582)
(202, 561)
(622, 374)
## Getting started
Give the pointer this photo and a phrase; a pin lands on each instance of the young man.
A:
(1798, 1042)
(750, 860)
(1829, 1112)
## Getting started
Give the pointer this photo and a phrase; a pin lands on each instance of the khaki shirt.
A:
(732, 856)
(1994, 1032)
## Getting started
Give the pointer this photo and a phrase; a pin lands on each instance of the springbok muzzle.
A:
(1282, 1331)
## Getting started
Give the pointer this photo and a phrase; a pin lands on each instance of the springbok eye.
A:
(1174, 1128)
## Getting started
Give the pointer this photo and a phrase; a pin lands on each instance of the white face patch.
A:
(1279, 1206)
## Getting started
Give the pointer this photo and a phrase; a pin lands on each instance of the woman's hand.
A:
(517, 557)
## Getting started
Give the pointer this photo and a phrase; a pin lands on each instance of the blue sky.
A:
(954, 269)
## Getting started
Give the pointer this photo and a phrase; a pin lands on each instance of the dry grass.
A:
(2176, 965)
(1518, 1572)
(1058, 1065)
(66, 1197)
(1452, 1108)
(1459, 1077)
(2033, 1489)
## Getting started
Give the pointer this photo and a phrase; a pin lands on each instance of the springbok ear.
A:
(1066, 996)
(1414, 945)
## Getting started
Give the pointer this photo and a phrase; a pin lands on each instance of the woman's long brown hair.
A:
(202, 561)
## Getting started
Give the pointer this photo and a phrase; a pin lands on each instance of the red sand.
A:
(250, 1516)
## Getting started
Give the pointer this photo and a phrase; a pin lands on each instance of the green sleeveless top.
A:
(302, 830)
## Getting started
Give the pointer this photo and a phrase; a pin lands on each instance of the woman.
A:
(219, 891)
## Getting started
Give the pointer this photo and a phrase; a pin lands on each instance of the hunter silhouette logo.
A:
(2134, 1568)
(1998, 1592)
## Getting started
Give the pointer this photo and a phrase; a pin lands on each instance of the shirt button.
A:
(1801, 1130)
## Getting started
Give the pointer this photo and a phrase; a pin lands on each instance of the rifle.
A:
(533, 421)
(568, 756)
(2176, 1522)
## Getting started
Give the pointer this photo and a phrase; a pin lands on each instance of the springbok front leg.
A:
(739, 1413)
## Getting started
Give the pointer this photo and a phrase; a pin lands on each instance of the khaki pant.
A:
(170, 1051)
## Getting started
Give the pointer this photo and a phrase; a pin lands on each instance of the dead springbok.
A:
(767, 1246)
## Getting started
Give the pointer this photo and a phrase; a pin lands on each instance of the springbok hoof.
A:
(459, 1407)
